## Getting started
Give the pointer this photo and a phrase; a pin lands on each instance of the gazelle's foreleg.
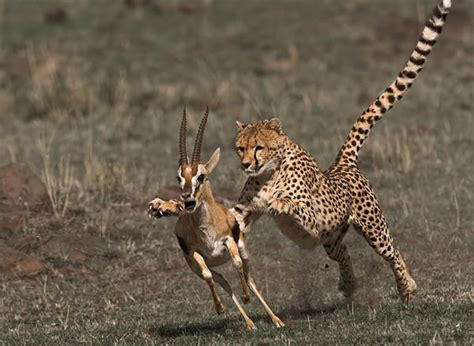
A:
(237, 262)
(198, 265)
(225, 285)
(245, 263)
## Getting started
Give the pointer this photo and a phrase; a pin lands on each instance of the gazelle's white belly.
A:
(213, 250)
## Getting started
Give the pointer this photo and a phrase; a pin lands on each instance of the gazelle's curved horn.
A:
(198, 143)
(183, 156)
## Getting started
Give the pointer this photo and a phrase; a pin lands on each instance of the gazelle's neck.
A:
(204, 211)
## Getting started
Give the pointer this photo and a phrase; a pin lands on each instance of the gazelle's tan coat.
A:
(206, 230)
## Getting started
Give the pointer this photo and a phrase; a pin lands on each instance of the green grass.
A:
(110, 99)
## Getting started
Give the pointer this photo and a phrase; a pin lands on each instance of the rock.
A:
(19, 263)
(72, 248)
(22, 194)
(55, 15)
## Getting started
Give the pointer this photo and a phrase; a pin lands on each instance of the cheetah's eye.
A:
(258, 147)
(240, 149)
(201, 178)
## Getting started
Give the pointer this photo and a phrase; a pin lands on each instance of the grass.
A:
(110, 83)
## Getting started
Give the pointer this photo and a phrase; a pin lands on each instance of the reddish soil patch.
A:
(22, 194)
(19, 263)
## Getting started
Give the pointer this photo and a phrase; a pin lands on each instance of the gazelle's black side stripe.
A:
(182, 245)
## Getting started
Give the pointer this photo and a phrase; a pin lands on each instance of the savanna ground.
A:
(90, 99)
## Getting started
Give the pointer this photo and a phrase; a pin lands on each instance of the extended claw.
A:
(154, 212)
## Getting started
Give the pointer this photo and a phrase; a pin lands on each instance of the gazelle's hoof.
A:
(220, 309)
(250, 326)
(277, 322)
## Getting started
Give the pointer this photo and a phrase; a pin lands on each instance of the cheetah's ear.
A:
(275, 124)
(240, 126)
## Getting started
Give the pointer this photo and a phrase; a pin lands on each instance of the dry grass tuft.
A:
(103, 92)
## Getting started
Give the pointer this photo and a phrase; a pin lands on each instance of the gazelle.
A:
(206, 230)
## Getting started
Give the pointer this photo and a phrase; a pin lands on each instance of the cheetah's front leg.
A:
(304, 214)
(283, 205)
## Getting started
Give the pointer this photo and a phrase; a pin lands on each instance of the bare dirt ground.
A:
(91, 95)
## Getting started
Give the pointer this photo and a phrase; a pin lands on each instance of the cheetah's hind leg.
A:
(375, 230)
(338, 252)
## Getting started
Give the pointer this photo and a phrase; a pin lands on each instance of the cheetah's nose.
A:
(246, 165)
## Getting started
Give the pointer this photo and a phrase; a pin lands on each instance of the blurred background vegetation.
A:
(91, 93)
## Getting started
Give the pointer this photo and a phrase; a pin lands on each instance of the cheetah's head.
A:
(258, 145)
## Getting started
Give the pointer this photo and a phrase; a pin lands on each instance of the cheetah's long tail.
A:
(349, 151)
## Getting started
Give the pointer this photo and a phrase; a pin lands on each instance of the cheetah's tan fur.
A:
(312, 206)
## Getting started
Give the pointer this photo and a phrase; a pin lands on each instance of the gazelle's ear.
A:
(212, 163)
(274, 124)
(240, 126)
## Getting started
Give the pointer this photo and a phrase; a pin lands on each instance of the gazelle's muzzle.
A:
(189, 201)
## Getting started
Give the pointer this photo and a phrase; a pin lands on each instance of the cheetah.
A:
(315, 207)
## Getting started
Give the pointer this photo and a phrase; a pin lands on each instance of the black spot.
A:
(437, 13)
(389, 90)
(416, 61)
(422, 52)
(433, 27)
(391, 98)
(236, 232)
(428, 42)
(378, 103)
(400, 86)
(409, 74)
(182, 245)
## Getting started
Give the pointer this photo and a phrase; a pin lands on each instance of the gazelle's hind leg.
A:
(245, 260)
(238, 264)
(370, 222)
(198, 266)
(225, 285)
(338, 252)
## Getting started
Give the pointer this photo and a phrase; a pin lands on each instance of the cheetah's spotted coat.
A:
(312, 206)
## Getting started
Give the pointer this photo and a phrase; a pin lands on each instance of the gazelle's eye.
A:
(258, 147)
(201, 178)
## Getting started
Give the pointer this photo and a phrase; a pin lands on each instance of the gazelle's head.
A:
(193, 176)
